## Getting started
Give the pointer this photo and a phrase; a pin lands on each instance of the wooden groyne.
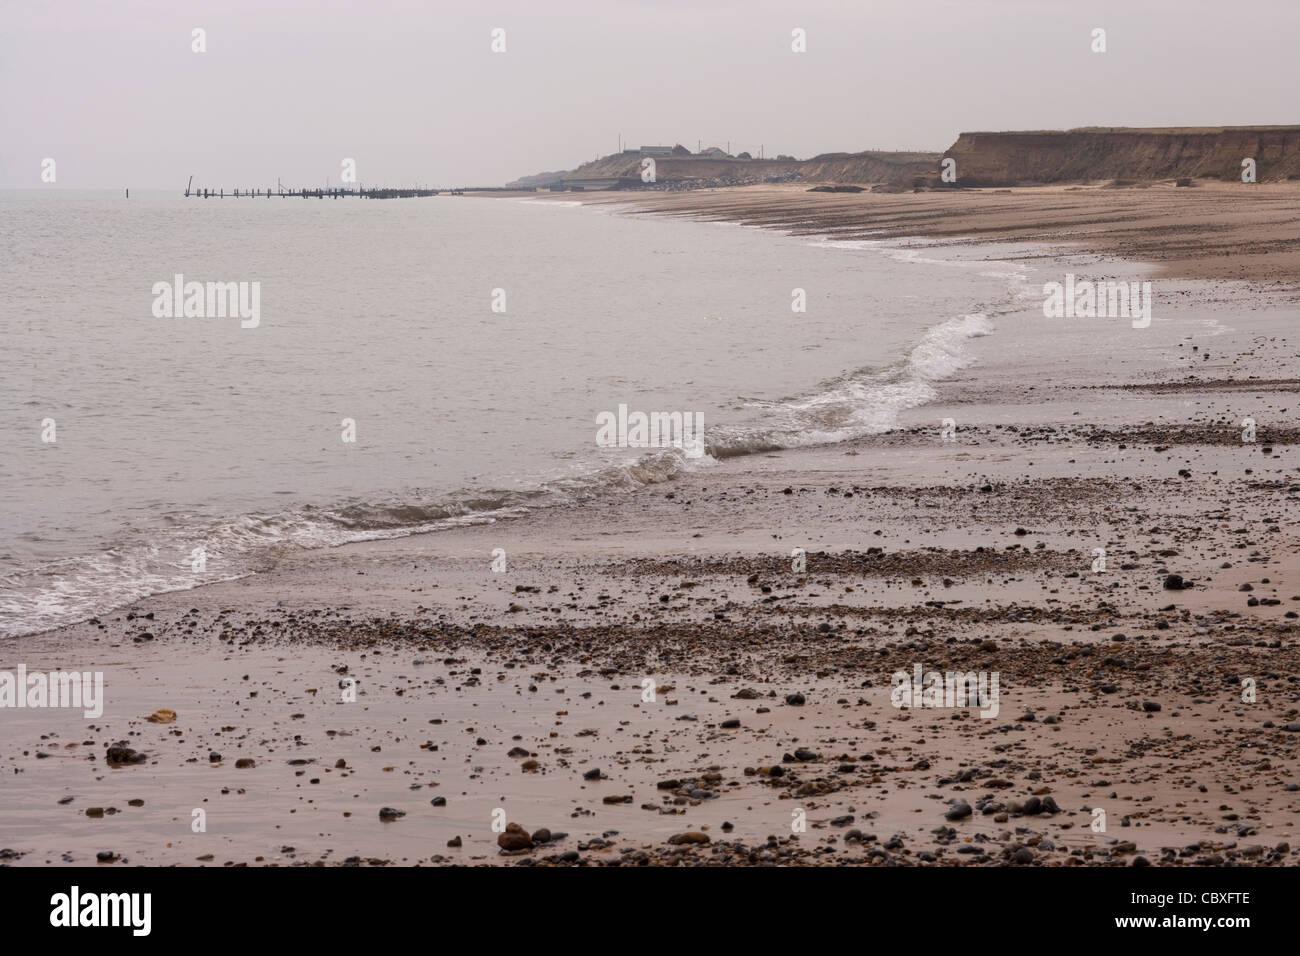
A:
(333, 192)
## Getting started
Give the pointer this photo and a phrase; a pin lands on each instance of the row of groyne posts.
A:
(334, 192)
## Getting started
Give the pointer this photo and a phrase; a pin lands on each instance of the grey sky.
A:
(114, 94)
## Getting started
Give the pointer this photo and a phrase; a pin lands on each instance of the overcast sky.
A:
(113, 92)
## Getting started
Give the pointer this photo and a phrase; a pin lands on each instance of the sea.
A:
(414, 364)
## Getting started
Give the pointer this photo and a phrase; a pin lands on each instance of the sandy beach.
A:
(658, 678)
(1212, 230)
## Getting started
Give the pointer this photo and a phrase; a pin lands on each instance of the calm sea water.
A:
(173, 434)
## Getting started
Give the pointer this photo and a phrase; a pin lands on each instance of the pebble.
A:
(514, 839)
(959, 810)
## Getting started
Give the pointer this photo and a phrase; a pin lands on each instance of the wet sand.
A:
(525, 691)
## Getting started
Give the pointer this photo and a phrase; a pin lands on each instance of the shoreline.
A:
(1212, 231)
(689, 583)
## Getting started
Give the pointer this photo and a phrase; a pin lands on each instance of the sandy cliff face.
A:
(1083, 155)
(870, 167)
